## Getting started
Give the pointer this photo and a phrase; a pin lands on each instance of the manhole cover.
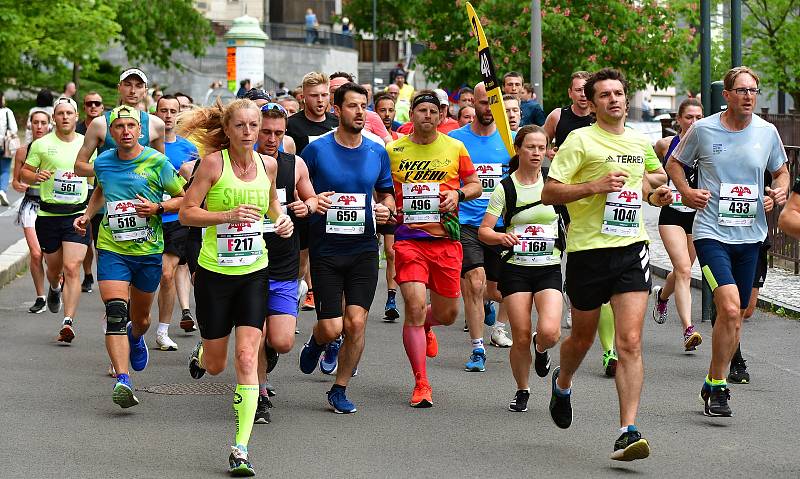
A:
(197, 389)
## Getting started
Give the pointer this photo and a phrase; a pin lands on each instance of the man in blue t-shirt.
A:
(480, 268)
(345, 169)
(175, 272)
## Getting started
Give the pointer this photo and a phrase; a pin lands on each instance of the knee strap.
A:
(116, 317)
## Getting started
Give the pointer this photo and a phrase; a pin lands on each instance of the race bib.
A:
(621, 214)
(124, 223)
(346, 214)
(421, 203)
(489, 174)
(677, 201)
(269, 226)
(536, 243)
(67, 186)
(738, 204)
(239, 244)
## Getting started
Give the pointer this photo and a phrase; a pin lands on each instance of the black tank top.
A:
(570, 121)
(284, 254)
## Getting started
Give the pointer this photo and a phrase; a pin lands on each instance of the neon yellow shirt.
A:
(58, 157)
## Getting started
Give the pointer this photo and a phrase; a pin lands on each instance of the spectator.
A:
(8, 137)
(244, 87)
(282, 90)
(44, 101)
(312, 25)
(398, 70)
(214, 85)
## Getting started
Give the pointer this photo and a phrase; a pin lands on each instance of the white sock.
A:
(477, 343)
(163, 328)
(66, 318)
(40, 297)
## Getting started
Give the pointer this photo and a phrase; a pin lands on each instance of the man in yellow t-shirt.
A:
(598, 174)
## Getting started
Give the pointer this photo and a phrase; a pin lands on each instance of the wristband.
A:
(650, 195)
(461, 195)
(160, 209)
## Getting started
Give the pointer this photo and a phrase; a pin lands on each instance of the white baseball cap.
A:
(442, 96)
(133, 71)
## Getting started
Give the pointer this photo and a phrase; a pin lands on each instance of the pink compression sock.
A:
(414, 342)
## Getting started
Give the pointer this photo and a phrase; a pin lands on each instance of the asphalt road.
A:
(58, 419)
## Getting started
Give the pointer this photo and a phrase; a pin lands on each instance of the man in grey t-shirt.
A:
(731, 150)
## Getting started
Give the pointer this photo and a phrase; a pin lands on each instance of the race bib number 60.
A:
(347, 213)
(489, 174)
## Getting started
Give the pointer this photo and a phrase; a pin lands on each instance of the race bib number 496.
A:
(738, 204)
(346, 214)
(421, 203)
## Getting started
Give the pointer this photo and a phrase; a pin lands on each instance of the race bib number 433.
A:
(347, 213)
(738, 204)
(621, 213)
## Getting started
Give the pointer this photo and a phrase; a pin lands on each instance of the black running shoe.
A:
(739, 374)
(262, 410)
(630, 446)
(560, 406)
(272, 357)
(541, 360)
(38, 306)
(520, 401)
(53, 300)
(88, 281)
(195, 370)
(187, 321)
(715, 401)
(466, 326)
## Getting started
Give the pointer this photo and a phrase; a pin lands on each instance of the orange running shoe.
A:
(431, 344)
(309, 304)
(421, 397)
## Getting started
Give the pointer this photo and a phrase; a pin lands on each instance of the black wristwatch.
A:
(461, 195)
(160, 209)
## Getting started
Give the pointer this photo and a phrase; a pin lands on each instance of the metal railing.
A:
(788, 125)
(785, 248)
(323, 35)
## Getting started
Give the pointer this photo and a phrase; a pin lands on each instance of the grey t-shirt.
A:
(737, 159)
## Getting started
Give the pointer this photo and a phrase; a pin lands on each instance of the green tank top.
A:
(236, 248)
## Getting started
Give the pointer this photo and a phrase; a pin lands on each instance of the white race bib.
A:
(738, 204)
(67, 186)
(489, 174)
(536, 243)
(621, 214)
(269, 226)
(124, 223)
(677, 201)
(346, 214)
(239, 244)
(421, 203)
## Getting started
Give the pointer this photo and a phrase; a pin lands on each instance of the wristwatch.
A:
(160, 209)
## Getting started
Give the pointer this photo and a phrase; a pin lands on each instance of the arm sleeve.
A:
(497, 202)
(777, 154)
(567, 161)
(687, 149)
(651, 161)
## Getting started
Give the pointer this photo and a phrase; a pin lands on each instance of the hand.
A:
(284, 226)
(696, 199)
(80, 224)
(298, 208)
(42, 175)
(19, 186)
(146, 208)
(661, 196)
(382, 213)
(509, 240)
(324, 202)
(768, 204)
(244, 214)
(612, 182)
(778, 195)
(448, 200)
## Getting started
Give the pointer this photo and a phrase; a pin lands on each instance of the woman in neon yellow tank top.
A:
(232, 191)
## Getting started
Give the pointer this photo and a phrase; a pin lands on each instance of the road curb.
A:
(13, 261)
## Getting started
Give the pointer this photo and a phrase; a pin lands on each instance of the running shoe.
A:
(421, 397)
(308, 305)
(738, 373)
(195, 370)
(610, 363)
(499, 337)
(53, 300)
(67, 333)
(309, 356)
(477, 361)
(262, 410)
(271, 391)
(38, 306)
(390, 312)
(691, 339)
(88, 281)
(520, 401)
(489, 314)
(239, 464)
(715, 401)
(339, 402)
(302, 290)
(187, 321)
(329, 361)
(431, 344)
(123, 395)
(541, 361)
(139, 355)
(355, 372)
(660, 308)
(466, 326)
(272, 357)
(630, 446)
(3, 198)
(560, 406)
(164, 343)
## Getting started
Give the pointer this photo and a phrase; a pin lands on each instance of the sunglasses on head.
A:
(274, 106)
(93, 103)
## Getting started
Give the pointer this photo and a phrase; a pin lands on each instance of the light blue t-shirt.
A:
(737, 158)
(179, 152)
(490, 157)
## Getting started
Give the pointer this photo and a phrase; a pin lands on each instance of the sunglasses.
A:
(93, 103)
(274, 106)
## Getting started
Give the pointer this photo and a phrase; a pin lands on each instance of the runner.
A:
(290, 103)
(373, 123)
(131, 181)
(481, 263)
(512, 110)
(283, 301)
(531, 112)
(428, 168)
(346, 168)
(384, 107)
(675, 228)
(731, 151)
(51, 163)
(236, 188)
(28, 209)
(465, 116)
(531, 271)
(174, 272)
(446, 124)
(512, 83)
(261, 97)
(598, 174)
(92, 108)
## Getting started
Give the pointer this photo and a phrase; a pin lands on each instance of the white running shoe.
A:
(500, 337)
(3, 198)
(302, 290)
(165, 343)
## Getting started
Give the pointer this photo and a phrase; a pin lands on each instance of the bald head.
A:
(480, 91)
(483, 112)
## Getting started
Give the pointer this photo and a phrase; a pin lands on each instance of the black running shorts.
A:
(225, 301)
(528, 279)
(479, 255)
(354, 276)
